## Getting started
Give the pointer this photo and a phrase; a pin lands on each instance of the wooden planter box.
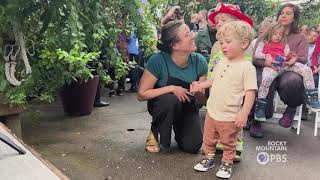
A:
(11, 117)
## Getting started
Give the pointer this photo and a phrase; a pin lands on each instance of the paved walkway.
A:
(100, 146)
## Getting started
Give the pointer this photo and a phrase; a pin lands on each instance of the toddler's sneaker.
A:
(225, 171)
(312, 98)
(206, 164)
(260, 109)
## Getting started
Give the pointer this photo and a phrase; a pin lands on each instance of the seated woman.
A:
(289, 84)
(165, 84)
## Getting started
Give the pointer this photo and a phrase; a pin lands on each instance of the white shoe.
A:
(205, 164)
(225, 171)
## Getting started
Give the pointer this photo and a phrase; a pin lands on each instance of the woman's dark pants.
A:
(167, 114)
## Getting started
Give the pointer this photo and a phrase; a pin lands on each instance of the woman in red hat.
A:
(289, 85)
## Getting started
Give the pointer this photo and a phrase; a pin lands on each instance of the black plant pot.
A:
(78, 98)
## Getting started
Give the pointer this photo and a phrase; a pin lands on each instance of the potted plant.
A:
(69, 74)
(66, 69)
(79, 90)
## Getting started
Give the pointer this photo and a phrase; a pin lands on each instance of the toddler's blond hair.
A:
(239, 30)
(269, 33)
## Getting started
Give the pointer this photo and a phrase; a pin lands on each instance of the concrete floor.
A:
(100, 146)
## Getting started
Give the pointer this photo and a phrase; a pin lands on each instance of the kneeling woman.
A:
(165, 85)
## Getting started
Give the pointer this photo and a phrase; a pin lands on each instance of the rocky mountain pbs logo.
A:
(272, 152)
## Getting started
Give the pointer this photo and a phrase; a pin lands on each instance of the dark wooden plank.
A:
(14, 124)
(6, 110)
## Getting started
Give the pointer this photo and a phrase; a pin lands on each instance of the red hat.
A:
(229, 9)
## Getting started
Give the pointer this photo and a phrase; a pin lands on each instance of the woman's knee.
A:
(168, 100)
(290, 81)
(190, 144)
(291, 88)
(190, 147)
(164, 104)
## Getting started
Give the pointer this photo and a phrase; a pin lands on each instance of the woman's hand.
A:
(291, 59)
(171, 13)
(181, 93)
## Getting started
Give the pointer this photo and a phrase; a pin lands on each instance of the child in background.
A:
(312, 37)
(313, 64)
(304, 30)
(194, 22)
(263, 27)
(274, 47)
(233, 79)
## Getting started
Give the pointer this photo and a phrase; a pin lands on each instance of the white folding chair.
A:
(318, 85)
(317, 111)
(297, 116)
(316, 120)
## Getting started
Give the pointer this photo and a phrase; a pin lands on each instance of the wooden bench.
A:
(12, 118)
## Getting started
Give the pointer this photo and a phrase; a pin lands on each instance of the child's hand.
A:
(292, 58)
(269, 62)
(195, 87)
(241, 120)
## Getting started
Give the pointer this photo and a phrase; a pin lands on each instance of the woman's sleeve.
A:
(259, 51)
(286, 50)
(302, 50)
(154, 65)
(257, 61)
(253, 43)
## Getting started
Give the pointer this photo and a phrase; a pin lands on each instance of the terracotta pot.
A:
(78, 98)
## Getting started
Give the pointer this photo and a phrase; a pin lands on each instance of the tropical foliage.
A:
(256, 9)
(310, 13)
(71, 39)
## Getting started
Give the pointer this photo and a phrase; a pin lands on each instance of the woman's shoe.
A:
(256, 130)
(152, 144)
(101, 103)
(112, 93)
(287, 119)
(120, 92)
